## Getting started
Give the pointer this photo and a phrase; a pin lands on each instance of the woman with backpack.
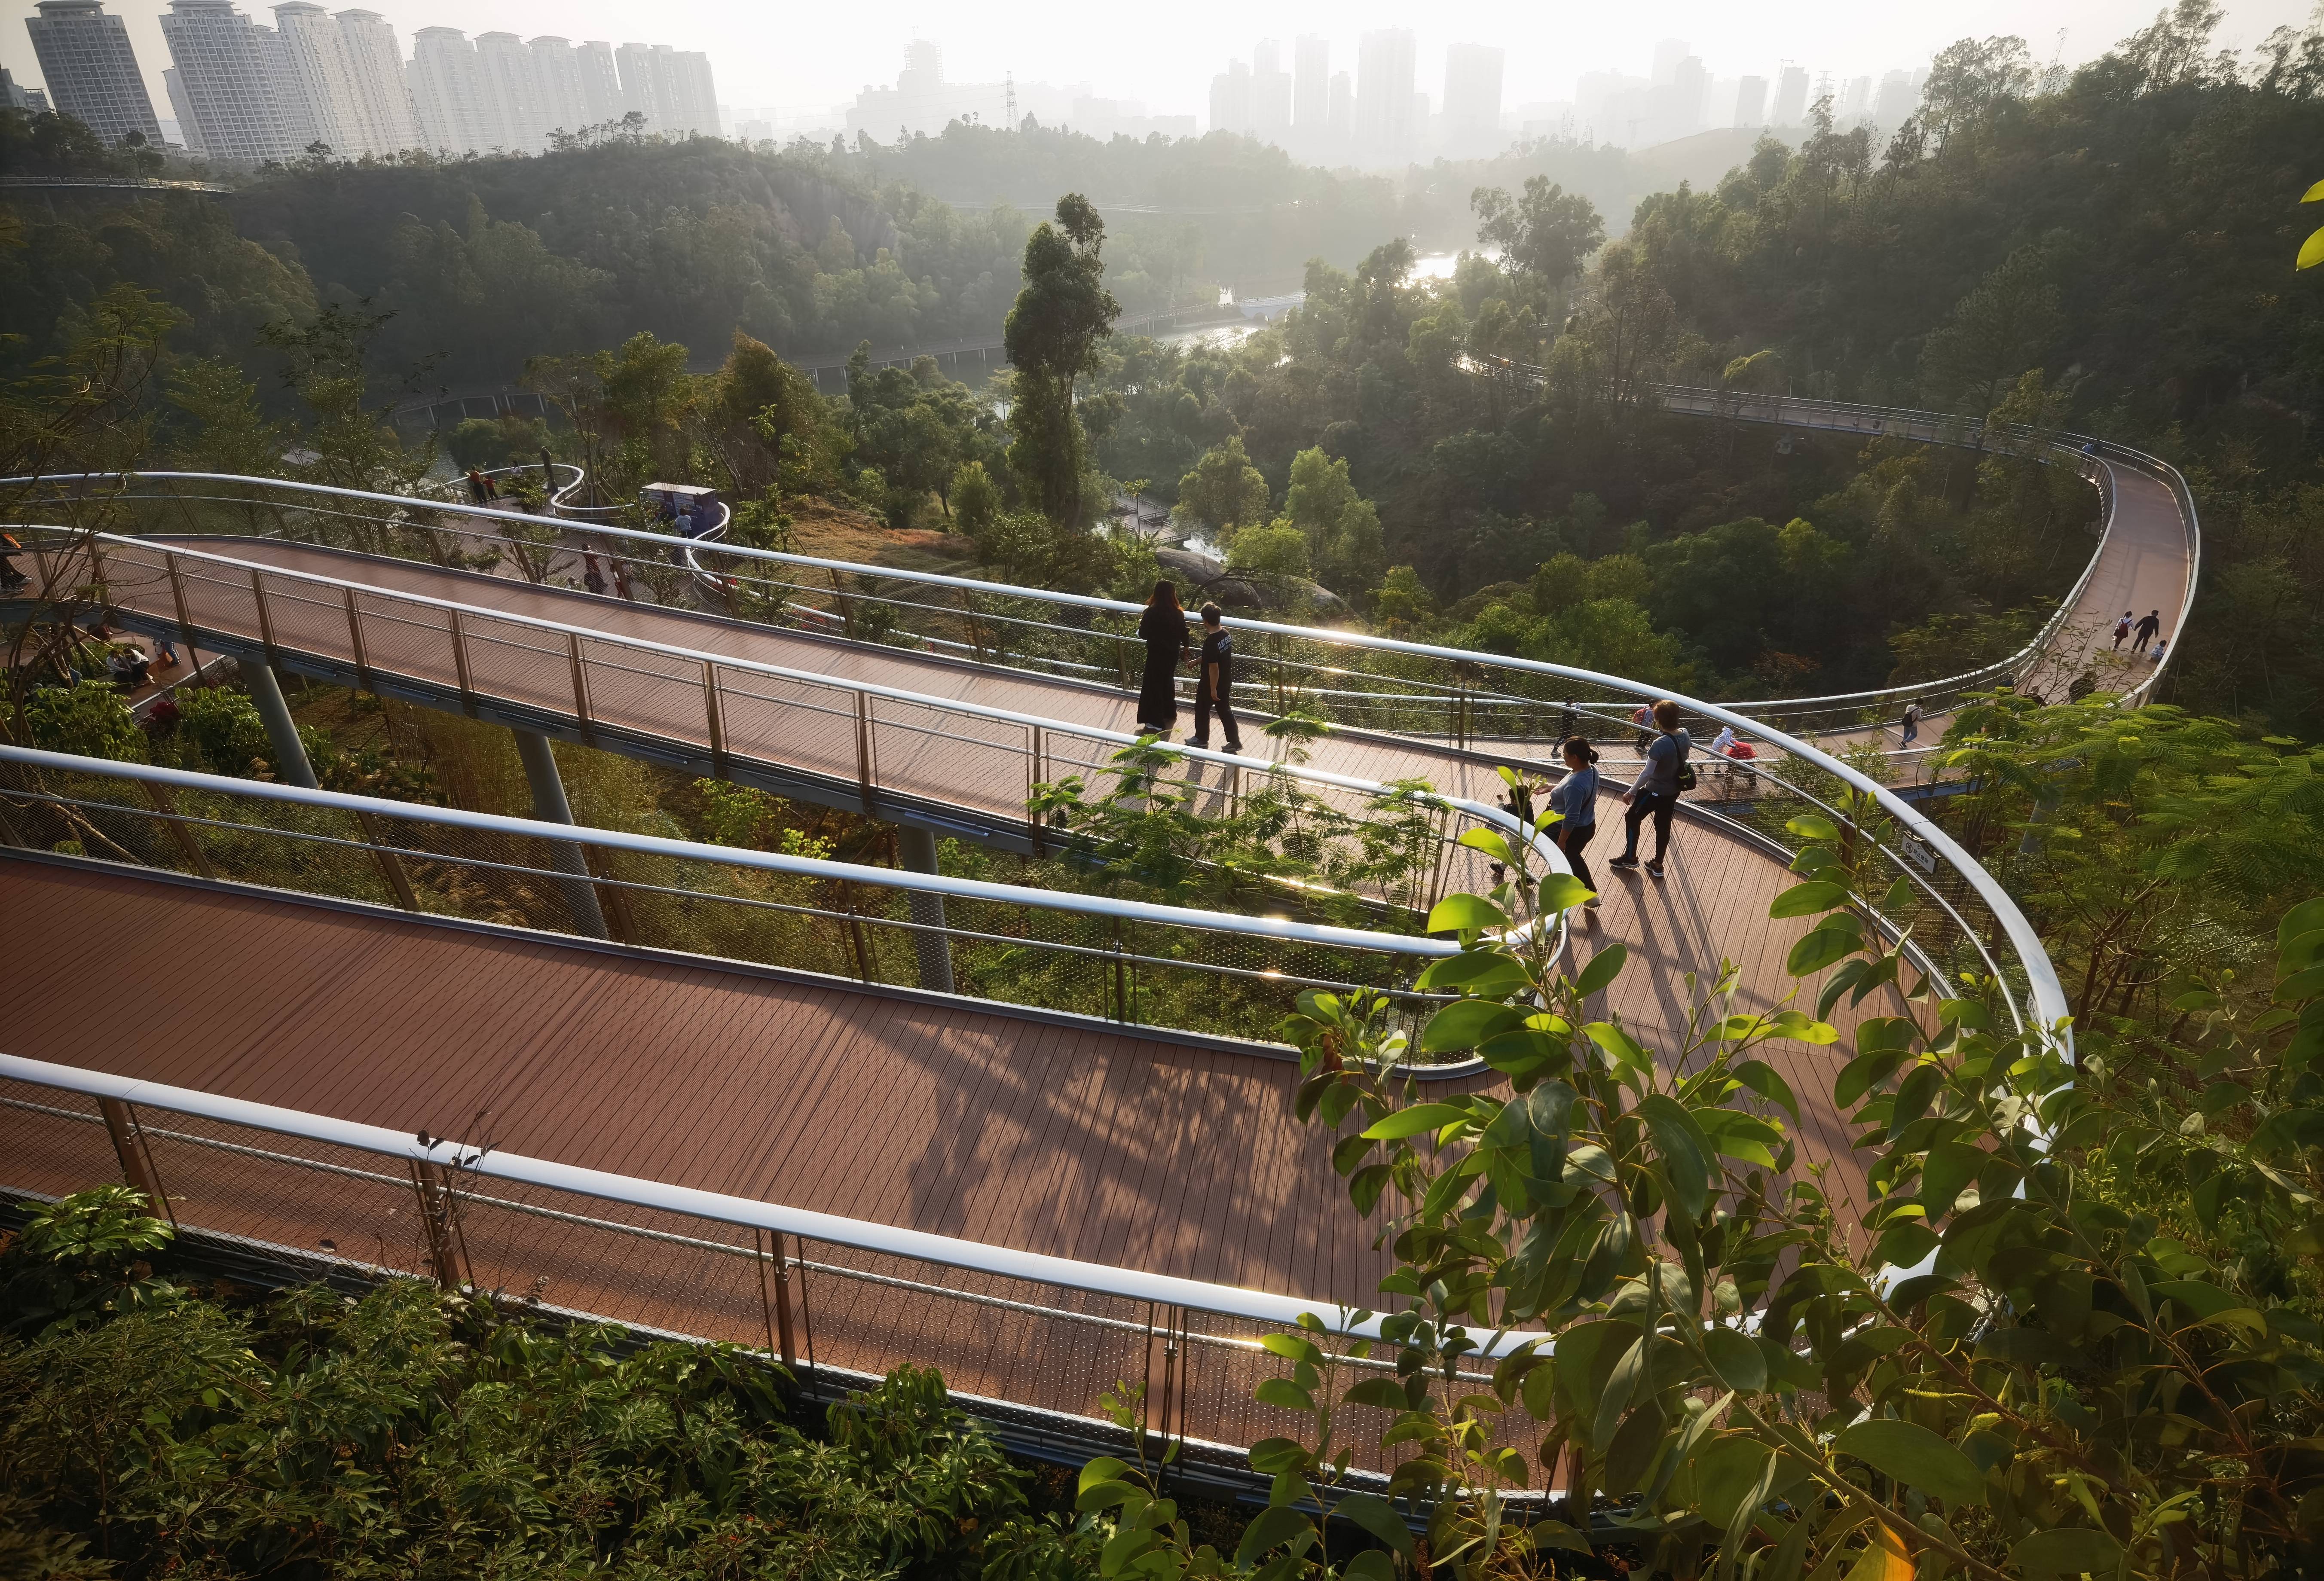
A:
(1656, 792)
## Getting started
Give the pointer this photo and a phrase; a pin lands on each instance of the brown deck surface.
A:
(1082, 1143)
(1079, 1141)
(1713, 904)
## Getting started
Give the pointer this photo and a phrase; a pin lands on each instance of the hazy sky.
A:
(801, 55)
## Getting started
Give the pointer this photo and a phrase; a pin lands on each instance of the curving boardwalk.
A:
(1713, 906)
(1081, 1141)
(1072, 1138)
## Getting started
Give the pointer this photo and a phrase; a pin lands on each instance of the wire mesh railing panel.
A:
(402, 638)
(817, 724)
(1094, 962)
(515, 662)
(293, 1192)
(639, 689)
(56, 1143)
(829, 1307)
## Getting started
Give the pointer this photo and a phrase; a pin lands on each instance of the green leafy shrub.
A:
(409, 1431)
(89, 720)
(225, 728)
(83, 1259)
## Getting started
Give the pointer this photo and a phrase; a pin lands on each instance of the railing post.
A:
(178, 592)
(863, 746)
(580, 690)
(391, 866)
(356, 644)
(436, 1221)
(460, 662)
(931, 946)
(137, 1169)
(775, 1301)
(158, 795)
(855, 932)
(715, 717)
(1120, 978)
(266, 619)
(1034, 775)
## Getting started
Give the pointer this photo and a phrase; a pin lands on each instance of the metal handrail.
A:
(1785, 409)
(686, 1201)
(2050, 1005)
(1543, 846)
(684, 550)
(1281, 929)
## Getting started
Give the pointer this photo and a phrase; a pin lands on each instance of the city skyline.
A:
(240, 92)
(808, 73)
(814, 61)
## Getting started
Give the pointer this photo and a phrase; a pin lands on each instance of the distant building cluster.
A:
(1378, 112)
(1682, 98)
(16, 96)
(924, 101)
(1381, 115)
(244, 92)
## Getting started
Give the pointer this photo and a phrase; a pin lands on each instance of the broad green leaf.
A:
(1602, 969)
(1813, 826)
(2307, 916)
(1492, 842)
(2301, 986)
(1620, 1047)
(1726, 1472)
(1371, 1564)
(1272, 1527)
(1284, 1393)
(1764, 1080)
(1912, 1454)
(1950, 1167)
(1378, 1517)
(1106, 1494)
(1617, 1398)
(1685, 1152)
(1419, 1117)
(1466, 1023)
(1736, 1358)
(1104, 1469)
(1558, 1534)
(2072, 1551)
(1292, 1348)
(1481, 971)
(2311, 251)
(1808, 899)
(1459, 913)
(1562, 892)
(1903, 1244)
(1821, 947)
(2314, 194)
(1385, 1392)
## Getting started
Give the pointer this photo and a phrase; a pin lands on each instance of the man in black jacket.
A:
(1215, 680)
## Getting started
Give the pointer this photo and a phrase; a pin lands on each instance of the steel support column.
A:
(281, 729)
(918, 847)
(549, 806)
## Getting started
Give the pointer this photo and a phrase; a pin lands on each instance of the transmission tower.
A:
(1011, 102)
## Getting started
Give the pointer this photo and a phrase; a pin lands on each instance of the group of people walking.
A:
(2144, 635)
(1168, 640)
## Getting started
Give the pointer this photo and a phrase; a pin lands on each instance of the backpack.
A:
(1684, 778)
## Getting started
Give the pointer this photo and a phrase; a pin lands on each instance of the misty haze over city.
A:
(1360, 85)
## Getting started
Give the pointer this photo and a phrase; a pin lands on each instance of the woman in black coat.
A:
(1163, 626)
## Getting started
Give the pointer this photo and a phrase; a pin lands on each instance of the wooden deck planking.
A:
(1082, 1142)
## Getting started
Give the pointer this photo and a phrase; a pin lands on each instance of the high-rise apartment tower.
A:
(92, 72)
